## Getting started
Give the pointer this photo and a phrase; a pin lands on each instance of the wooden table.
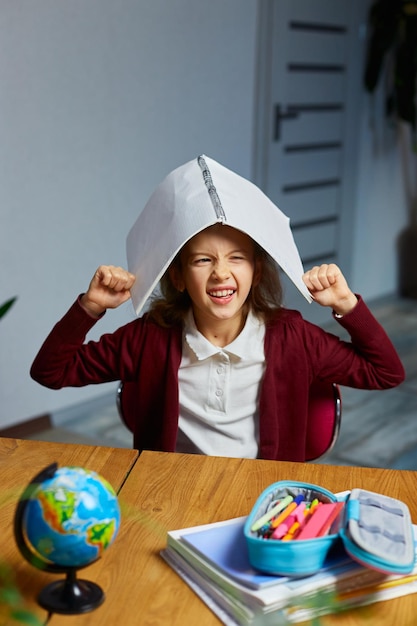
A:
(169, 491)
(160, 492)
(20, 461)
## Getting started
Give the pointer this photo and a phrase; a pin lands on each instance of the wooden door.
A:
(308, 116)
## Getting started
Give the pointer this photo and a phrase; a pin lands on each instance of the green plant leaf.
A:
(9, 596)
(11, 602)
(21, 616)
(6, 306)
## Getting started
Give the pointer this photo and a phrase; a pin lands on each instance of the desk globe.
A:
(65, 519)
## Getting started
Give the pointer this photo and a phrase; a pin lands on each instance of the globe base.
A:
(71, 596)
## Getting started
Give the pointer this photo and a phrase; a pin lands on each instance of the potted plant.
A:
(392, 55)
(6, 306)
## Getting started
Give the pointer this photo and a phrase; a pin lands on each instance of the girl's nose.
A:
(221, 271)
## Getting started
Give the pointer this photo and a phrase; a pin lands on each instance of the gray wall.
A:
(100, 99)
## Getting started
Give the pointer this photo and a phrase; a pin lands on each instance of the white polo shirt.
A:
(219, 392)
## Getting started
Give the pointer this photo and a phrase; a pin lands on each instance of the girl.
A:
(221, 367)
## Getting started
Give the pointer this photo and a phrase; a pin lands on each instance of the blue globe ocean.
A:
(71, 518)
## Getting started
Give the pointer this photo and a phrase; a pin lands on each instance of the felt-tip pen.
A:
(286, 512)
(295, 516)
(269, 515)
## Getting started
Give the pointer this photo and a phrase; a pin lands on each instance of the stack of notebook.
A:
(212, 559)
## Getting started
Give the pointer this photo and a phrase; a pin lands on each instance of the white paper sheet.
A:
(193, 197)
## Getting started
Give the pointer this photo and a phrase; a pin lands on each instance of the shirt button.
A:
(220, 370)
(219, 393)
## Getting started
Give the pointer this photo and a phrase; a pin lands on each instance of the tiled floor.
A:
(379, 429)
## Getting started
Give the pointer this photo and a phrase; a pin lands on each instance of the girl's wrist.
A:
(91, 308)
(345, 306)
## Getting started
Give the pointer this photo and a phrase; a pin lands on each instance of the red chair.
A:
(126, 398)
(324, 419)
(325, 414)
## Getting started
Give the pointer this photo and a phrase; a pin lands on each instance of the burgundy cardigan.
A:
(296, 353)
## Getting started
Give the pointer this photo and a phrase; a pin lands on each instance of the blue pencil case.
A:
(376, 530)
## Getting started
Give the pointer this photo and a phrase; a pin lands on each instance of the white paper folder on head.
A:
(193, 197)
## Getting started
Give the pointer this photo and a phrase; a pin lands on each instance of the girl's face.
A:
(218, 269)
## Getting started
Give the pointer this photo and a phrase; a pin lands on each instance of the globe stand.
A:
(71, 595)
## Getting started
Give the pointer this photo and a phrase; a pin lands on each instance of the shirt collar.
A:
(247, 345)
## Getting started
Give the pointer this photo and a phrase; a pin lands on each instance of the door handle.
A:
(281, 114)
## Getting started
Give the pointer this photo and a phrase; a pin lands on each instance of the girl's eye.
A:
(201, 261)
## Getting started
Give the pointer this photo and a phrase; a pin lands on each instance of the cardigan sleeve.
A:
(64, 360)
(368, 361)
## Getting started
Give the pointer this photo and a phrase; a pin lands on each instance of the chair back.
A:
(126, 398)
(324, 418)
(325, 414)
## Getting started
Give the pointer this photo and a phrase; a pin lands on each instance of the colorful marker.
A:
(298, 525)
(295, 517)
(290, 508)
(267, 517)
(320, 523)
